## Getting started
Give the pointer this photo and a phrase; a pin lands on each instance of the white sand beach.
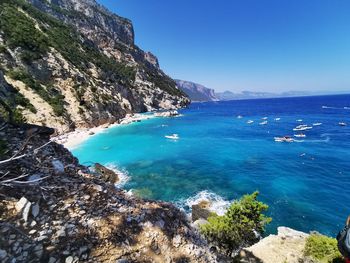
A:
(73, 139)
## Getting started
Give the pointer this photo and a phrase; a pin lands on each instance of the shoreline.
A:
(74, 139)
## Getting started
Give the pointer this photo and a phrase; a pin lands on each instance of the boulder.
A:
(23, 206)
(58, 166)
(35, 210)
(196, 224)
(201, 211)
(287, 246)
(106, 174)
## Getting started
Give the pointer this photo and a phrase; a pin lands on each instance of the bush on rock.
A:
(242, 224)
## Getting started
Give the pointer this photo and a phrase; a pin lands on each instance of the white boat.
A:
(239, 117)
(317, 124)
(173, 136)
(277, 119)
(250, 122)
(302, 128)
(300, 135)
(284, 139)
(263, 123)
(342, 124)
(265, 118)
(300, 120)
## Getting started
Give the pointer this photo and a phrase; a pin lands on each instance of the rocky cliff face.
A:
(196, 92)
(54, 210)
(74, 64)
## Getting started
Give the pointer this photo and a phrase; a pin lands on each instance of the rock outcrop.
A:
(196, 92)
(75, 64)
(50, 215)
(287, 246)
(201, 211)
(106, 174)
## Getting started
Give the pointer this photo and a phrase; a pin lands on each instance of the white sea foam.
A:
(122, 174)
(218, 204)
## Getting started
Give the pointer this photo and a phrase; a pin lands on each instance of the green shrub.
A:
(2, 49)
(18, 116)
(238, 226)
(24, 102)
(322, 248)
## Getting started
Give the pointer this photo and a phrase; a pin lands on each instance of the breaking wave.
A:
(217, 204)
(122, 174)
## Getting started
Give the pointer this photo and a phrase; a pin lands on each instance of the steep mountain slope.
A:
(196, 92)
(73, 63)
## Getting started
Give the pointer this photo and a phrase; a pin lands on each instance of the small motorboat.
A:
(250, 122)
(263, 123)
(172, 136)
(300, 120)
(342, 124)
(317, 124)
(300, 135)
(302, 128)
(265, 118)
(284, 139)
(239, 117)
(277, 119)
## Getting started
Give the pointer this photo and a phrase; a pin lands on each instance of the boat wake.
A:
(122, 174)
(217, 203)
(326, 139)
(335, 108)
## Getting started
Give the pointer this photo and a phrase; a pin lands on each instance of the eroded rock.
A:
(106, 174)
(201, 211)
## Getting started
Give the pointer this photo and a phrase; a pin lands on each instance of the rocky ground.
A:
(54, 210)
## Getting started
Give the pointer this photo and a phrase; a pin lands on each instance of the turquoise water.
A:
(305, 183)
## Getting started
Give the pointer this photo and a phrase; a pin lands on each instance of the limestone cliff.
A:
(196, 92)
(74, 64)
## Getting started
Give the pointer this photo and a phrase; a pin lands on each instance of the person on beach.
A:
(343, 238)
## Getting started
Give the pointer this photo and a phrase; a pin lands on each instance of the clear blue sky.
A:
(257, 45)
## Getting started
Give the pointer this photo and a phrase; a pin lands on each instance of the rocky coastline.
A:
(52, 209)
(55, 210)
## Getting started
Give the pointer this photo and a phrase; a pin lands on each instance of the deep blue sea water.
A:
(306, 183)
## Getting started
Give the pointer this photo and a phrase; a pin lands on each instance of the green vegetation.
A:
(3, 148)
(50, 95)
(238, 225)
(18, 116)
(163, 82)
(322, 248)
(20, 31)
(35, 32)
(2, 49)
(24, 102)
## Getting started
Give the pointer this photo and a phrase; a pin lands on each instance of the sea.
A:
(219, 156)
